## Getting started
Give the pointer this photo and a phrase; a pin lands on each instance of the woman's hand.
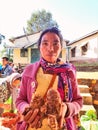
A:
(52, 121)
(32, 118)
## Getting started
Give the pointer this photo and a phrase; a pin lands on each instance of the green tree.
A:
(39, 21)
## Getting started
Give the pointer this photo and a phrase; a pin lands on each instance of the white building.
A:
(84, 48)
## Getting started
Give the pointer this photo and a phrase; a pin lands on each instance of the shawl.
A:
(62, 70)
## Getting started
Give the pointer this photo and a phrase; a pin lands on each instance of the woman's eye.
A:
(55, 43)
(45, 43)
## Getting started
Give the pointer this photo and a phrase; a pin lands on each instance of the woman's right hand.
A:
(32, 118)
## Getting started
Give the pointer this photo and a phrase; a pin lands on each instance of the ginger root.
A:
(53, 103)
(48, 108)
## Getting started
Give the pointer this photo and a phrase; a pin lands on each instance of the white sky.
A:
(74, 17)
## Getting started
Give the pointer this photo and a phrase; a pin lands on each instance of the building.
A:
(84, 49)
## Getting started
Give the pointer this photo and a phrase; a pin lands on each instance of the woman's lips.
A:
(50, 55)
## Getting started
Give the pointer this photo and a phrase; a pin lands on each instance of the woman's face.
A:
(50, 47)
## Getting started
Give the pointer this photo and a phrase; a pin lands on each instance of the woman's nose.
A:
(51, 48)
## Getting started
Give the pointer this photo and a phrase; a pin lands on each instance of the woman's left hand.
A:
(52, 121)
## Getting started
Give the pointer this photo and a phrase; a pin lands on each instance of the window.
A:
(73, 51)
(84, 49)
(24, 52)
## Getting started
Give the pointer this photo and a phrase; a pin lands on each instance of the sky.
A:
(75, 18)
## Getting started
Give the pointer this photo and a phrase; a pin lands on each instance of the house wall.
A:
(92, 52)
(26, 60)
(64, 55)
(18, 59)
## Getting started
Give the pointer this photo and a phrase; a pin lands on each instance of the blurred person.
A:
(6, 68)
(13, 66)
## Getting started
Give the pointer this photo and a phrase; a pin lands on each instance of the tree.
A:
(3, 50)
(1, 38)
(39, 21)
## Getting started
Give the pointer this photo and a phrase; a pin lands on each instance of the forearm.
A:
(22, 100)
(74, 107)
(76, 103)
(21, 105)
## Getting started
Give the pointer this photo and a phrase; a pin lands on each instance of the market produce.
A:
(9, 119)
(37, 102)
(49, 108)
(89, 115)
(53, 104)
(89, 121)
(9, 115)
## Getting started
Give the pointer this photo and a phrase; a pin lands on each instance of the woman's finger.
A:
(33, 116)
(64, 109)
(35, 122)
(39, 124)
(28, 115)
(61, 122)
(63, 113)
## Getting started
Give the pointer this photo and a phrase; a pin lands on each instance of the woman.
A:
(36, 79)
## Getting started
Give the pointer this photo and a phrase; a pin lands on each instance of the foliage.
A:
(2, 47)
(82, 128)
(39, 21)
(85, 118)
(1, 38)
(3, 52)
(89, 115)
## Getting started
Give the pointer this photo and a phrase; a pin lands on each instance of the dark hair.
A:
(52, 30)
(7, 59)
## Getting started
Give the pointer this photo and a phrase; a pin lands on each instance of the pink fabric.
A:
(29, 84)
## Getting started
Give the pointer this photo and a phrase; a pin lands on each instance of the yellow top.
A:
(43, 83)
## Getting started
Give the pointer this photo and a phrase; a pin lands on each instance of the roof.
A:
(83, 37)
(24, 41)
(18, 37)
